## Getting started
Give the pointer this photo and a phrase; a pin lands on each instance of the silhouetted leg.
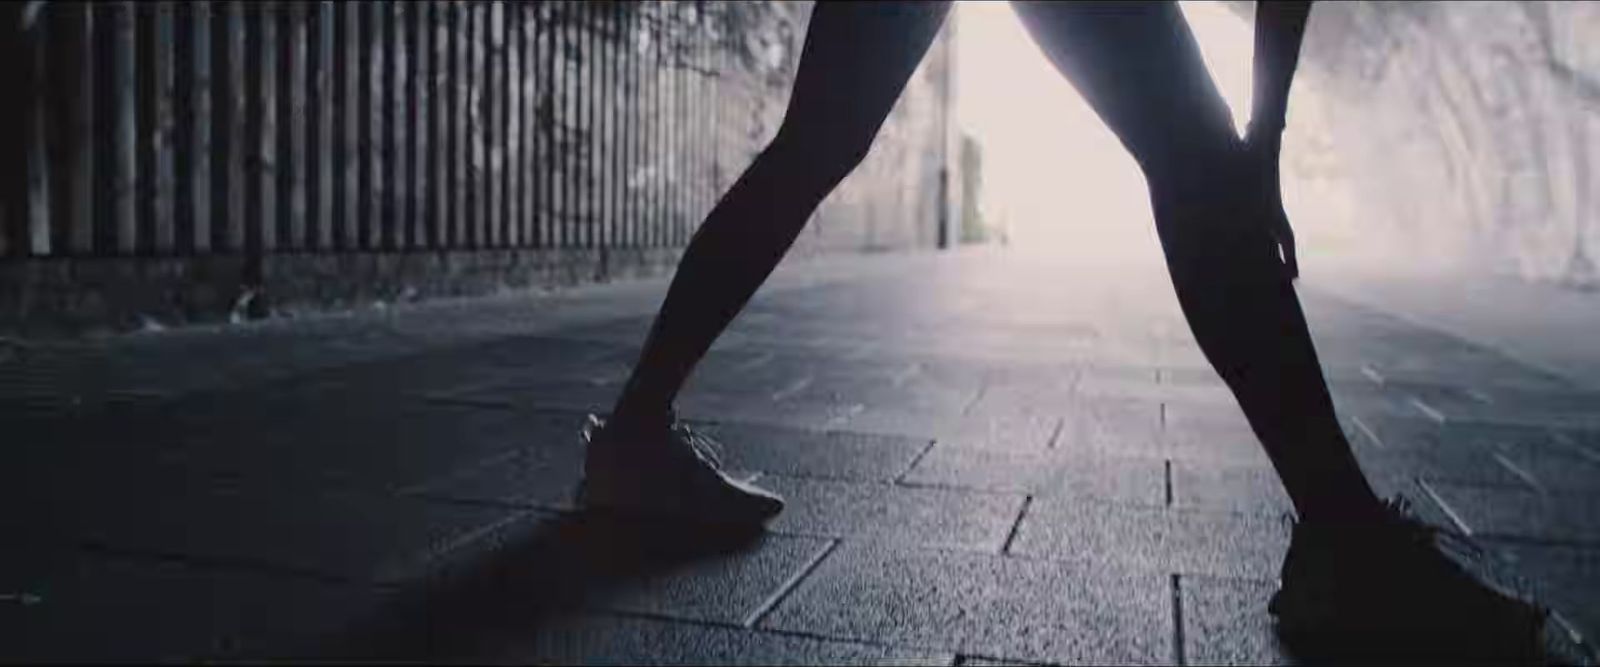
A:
(1139, 67)
(855, 63)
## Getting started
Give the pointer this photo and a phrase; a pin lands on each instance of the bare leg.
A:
(1140, 69)
(855, 63)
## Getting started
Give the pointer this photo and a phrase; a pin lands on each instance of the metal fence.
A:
(194, 128)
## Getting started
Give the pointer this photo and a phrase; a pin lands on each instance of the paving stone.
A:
(544, 477)
(778, 375)
(724, 588)
(278, 449)
(983, 604)
(1211, 440)
(1105, 424)
(904, 387)
(554, 565)
(938, 517)
(1580, 442)
(594, 639)
(330, 441)
(357, 536)
(1115, 381)
(1013, 393)
(1010, 432)
(1565, 578)
(1225, 622)
(1180, 415)
(1157, 539)
(1499, 512)
(1545, 407)
(1398, 433)
(74, 606)
(1043, 473)
(1223, 487)
(842, 455)
(546, 473)
(1458, 464)
(1548, 465)
(621, 330)
(577, 394)
(762, 410)
(1254, 488)
(1501, 405)
(1383, 431)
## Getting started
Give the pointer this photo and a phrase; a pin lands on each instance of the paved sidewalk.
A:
(989, 458)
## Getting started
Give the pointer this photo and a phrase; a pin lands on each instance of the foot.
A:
(1391, 589)
(670, 472)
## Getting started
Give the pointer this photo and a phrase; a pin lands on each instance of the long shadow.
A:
(519, 582)
(1489, 645)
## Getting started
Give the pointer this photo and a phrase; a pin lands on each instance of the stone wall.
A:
(1459, 135)
(190, 160)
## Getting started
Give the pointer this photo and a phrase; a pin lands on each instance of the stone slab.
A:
(599, 639)
(841, 455)
(1043, 473)
(346, 535)
(77, 606)
(1498, 512)
(890, 512)
(983, 604)
(1156, 539)
(1225, 622)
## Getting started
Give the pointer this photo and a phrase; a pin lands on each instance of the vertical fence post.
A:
(292, 138)
(122, 86)
(494, 118)
(655, 150)
(547, 34)
(416, 101)
(322, 95)
(514, 127)
(33, 187)
(194, 220)
(229, 133)
(73, 100)
(478, 167)
(527, 92)
(460, 139)
(261, 122)
(438, 114)
(376, 217)
(600, 185)
(566, 101)
(396, 126)
(155, 42)
(588, 45)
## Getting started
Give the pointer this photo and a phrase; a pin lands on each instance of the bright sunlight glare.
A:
(1055, 179)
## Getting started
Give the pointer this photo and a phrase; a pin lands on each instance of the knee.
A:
(1212, 216)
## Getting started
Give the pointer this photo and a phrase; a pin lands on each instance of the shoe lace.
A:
(1422, 533)
(1425, 533)
(704, 446)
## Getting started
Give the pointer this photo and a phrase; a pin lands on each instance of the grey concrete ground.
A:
(989, 458)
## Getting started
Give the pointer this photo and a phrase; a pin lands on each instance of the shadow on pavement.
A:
(521, 580)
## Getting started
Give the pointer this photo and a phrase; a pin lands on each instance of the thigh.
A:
(1139, 67)
(856, 61)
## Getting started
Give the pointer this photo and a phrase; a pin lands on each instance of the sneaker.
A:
(677, 476)
(1400, 589)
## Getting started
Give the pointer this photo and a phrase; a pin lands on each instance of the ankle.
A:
(1346, 511)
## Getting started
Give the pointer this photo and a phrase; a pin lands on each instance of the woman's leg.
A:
(855, 63)
(1140, 68)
